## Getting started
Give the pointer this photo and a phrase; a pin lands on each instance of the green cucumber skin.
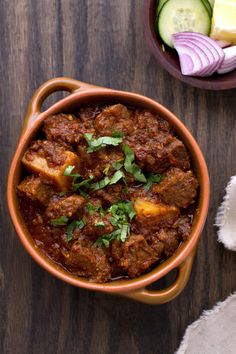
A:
(208, 6)
(168, 2)
(211, 2)
(160, 5)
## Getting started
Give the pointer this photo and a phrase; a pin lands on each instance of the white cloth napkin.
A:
(226, 217)
(215, 331)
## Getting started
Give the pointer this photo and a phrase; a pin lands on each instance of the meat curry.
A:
(109, 191)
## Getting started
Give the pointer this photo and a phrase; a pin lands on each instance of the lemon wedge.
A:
(224, 21)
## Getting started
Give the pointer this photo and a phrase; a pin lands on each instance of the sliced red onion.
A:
(204, 50)
(190, 61)
(229, 62)
(203, 41)
(202, 46)
(181, 47)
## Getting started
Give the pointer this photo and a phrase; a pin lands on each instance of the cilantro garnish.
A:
(152, 178)
(100, 223)
(61, 221)
(78, 182)
(106, 169)
(116, 177)
(72, 226)
(118, 164)
(68, 171)
(61, 194)
(106, 181)
(96, 144)
(121, 214)
(117, 134)
(100, 184)
(94, 208)
(130, 165)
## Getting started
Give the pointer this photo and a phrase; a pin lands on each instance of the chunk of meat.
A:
(156, 245)
(87, 115)
(153, 214)
(170, 239)
(148, 140)
(99, 161)
(66, 206)
(53, 152)
(178, 155)
(177, 188)
(63, 128)
(97, 226)
(87, 262)
(49, 160)
(153, 157)
(116, 117)
(183, 226)
(35, 189)
(134, 256)
(111, 194)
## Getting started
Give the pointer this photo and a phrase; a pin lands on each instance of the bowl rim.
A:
(203, 83)
(118, 286)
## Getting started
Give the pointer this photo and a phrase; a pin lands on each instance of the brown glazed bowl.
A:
(169, 58)
(84, 94)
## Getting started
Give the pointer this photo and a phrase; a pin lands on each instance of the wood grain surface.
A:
(101, 42)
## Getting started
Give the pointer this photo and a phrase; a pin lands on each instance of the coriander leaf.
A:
(83, 193)
(137, 173)
(72, 226)
(130, 166)
(84, 183)
(117, 164)
(124, 232)
(100, 224)
(116, 177)
(152, 178)
(91, 208)
(106, 169)
(94, 208)
(117, 134)
(120, 212)
(106, 181)
(68, 170)
(96, 144)
(106, 239)
(129, 157)
(61, 221)
(100, 184)
(78, 182)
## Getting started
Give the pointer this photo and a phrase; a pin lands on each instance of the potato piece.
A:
(39, 165)
(155, 212)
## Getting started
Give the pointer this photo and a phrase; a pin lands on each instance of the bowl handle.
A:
(158, 297)
(50, 86)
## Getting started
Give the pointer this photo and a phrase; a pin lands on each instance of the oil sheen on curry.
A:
(109, 191)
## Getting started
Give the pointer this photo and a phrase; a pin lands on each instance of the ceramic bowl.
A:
(85, 94)
(169, 58)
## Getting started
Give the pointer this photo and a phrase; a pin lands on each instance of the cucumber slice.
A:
(208, 6)
(160, 5)
(182, 15)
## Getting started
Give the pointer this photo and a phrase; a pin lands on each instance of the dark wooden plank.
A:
(101, 42)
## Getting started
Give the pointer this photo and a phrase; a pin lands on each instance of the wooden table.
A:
(101, 42)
